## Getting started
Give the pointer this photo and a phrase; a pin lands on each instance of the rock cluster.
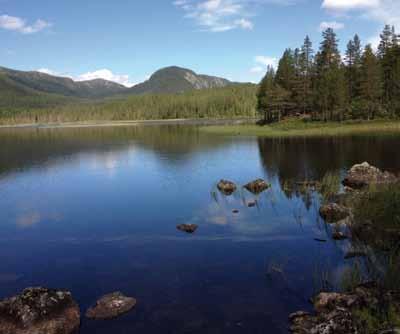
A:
(39, 311)
(226, 187)
(333, 212)
(188, 228)
(111, 306)
(257, 186)
(333, 312)
(364, 174)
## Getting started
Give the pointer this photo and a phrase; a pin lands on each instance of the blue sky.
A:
(127, 40)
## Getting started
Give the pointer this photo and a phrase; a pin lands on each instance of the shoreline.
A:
(291, 128)
(89, 124)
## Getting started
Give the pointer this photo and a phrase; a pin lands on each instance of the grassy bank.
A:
(300, 128)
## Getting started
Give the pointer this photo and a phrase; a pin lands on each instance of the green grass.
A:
(300, 128)
(373, 321)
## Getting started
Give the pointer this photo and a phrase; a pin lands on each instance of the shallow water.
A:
(95, 210)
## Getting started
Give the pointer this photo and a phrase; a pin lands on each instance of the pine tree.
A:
(394, 80)
(388, 59)
(329, 81)
(386, 41)
(264, 94)
(370, 87)
(286, 78)
(305, 69)
(353, 62)
(286, 72)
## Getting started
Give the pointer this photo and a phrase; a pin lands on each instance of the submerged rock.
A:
(354, 254)
(362, 175)
(226, 187)
(111, 306)
(333, 212)
(333, 313)
(39, 311)
(339, 236)
(320, 240)
(188, 228)
(257, 186)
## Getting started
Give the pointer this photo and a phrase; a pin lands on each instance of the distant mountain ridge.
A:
(168, 80)
(176, 80)
(45, 83)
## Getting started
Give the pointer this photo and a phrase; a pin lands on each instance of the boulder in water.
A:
(362, 175)
(257, 186)
(226, 187)
(333, 212)
(39, 311)
(188, 228)
(111, 306)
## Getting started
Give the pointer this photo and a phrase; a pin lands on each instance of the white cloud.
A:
(244, 24)
(266, 61)
(257, 69)
(349, 4)
(380, 11)
(260, 66)
(47, 71)
(106, 74)
(224, 15)
(332, 24)
(215, 15)
(18, 24)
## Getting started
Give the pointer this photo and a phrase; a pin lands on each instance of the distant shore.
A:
(200, 122)
(299, 128)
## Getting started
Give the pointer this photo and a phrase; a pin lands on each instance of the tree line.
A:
(228, 102)
(364, 84)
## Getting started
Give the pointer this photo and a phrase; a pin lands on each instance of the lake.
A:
(95, 210)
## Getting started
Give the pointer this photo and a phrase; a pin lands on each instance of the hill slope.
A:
(35, 86)
(45, 83)
(175, 79)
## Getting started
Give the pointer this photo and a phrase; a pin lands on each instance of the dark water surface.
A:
(95, 210)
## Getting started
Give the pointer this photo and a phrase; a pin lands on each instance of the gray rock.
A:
(188, 228)
(257, 186)
(337, 235)
(334, 312)
(39, 311)
(362, 175)
(333, 212)
(226, 187)
(111, 306)
(354, 254)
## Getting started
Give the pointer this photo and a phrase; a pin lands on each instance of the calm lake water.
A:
(94, 210)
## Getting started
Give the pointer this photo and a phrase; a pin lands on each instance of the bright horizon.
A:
(127, 42)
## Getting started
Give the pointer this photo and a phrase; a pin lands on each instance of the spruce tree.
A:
(329, 81)
(286, 72)
(264, 94)
(305, 69)
(370, 85)
(353, 64)
(386, 41)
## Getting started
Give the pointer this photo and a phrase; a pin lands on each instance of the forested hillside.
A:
(326, 86)
(50, 84)
(175, 79)
(228, 102)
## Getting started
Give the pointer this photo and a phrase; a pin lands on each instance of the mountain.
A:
(177, 80)
(45, 83)
(169, 80)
